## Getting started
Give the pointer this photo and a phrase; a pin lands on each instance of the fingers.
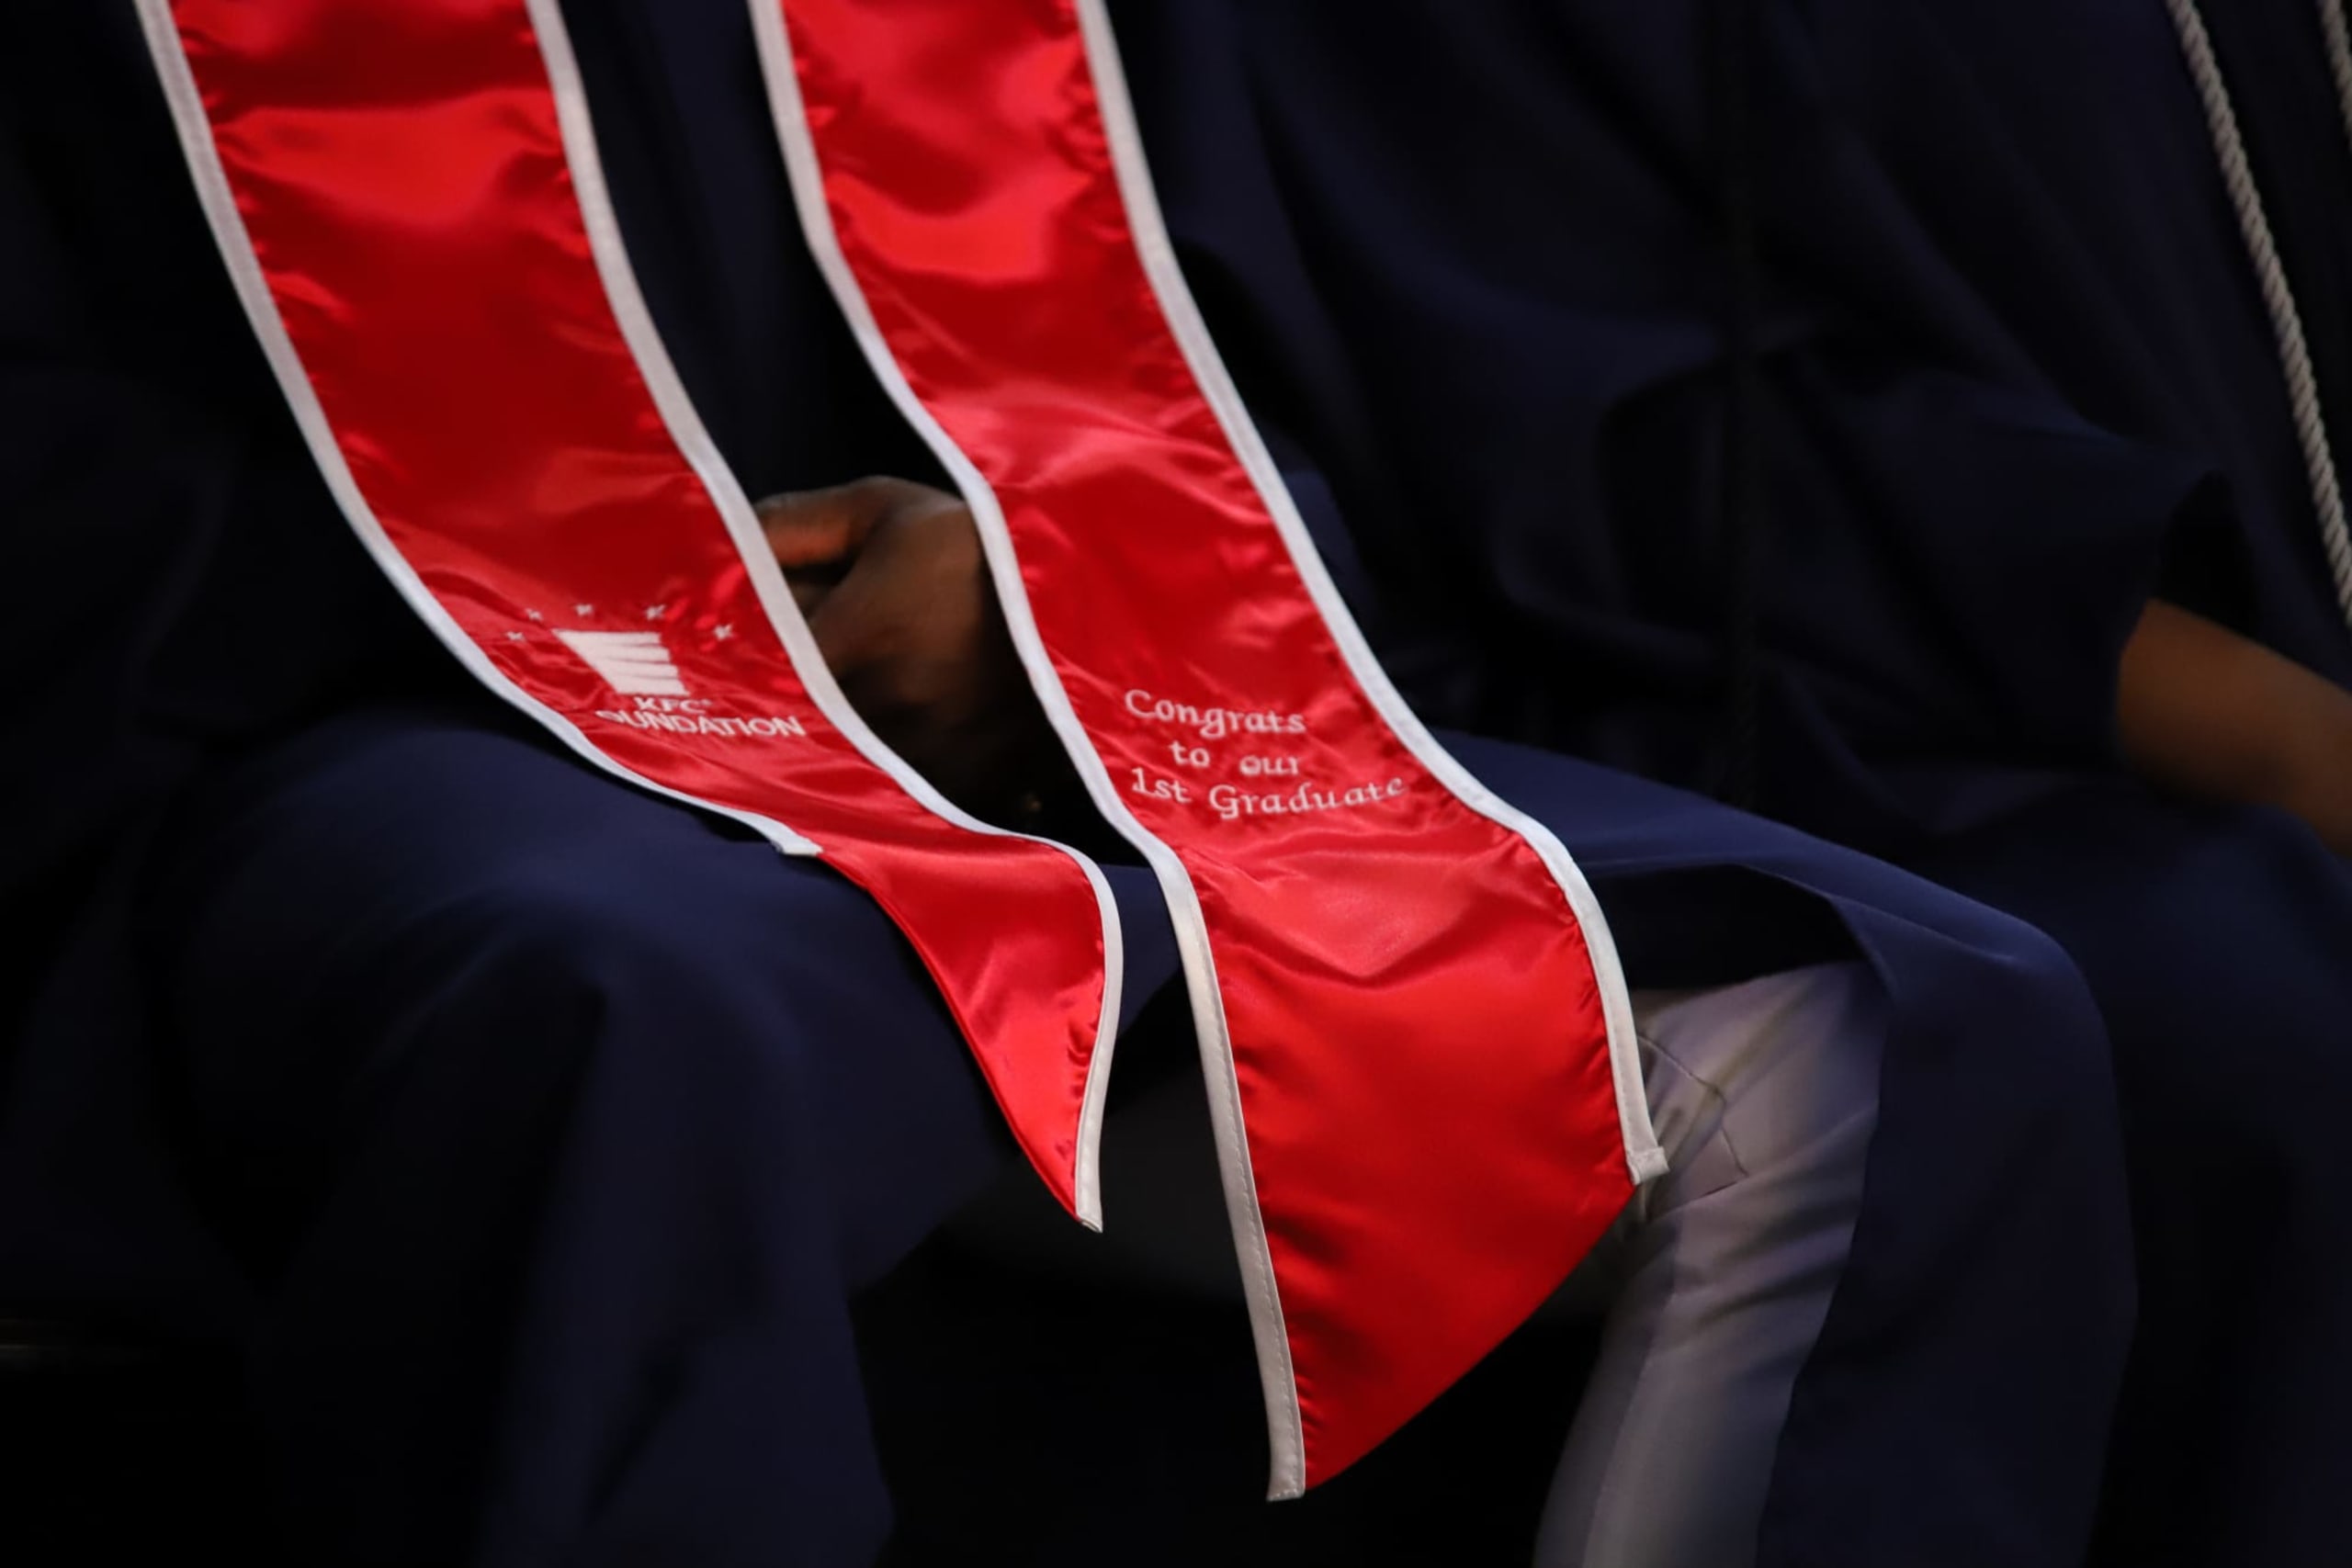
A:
(817, 527)
(893, 584)
(822, 528)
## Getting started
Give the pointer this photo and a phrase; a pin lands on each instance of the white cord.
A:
(2339, 56)
(2262, 247)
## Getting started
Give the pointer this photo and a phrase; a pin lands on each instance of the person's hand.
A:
(892, 577)
(2213, 713)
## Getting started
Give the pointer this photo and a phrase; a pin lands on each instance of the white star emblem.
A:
(655, 612)
(584, 609)
(514, 637)
(534, 615)
(722, 633)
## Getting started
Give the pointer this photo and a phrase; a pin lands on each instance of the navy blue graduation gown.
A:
(2221, 940)
(456, 1252)
(2015, 376)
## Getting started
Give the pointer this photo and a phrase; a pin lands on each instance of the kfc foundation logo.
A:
(640, 666)
(635, 664)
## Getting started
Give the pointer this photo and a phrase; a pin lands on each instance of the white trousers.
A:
(1719, 1278)
(1713, 1285)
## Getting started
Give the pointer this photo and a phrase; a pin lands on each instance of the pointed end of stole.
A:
(1289, 1480)
(1085, 1199)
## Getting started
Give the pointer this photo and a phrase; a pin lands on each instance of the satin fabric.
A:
(2012, 340)
(200, 604)
(403, 178)
(401, 173)
(1416, 1029)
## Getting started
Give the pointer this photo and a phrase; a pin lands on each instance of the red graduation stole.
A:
(1418, 1045)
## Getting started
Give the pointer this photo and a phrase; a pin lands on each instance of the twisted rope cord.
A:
(2339, 56)
(2262, 247)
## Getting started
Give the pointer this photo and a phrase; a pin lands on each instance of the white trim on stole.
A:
(685, 428)
(1644, 1156)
